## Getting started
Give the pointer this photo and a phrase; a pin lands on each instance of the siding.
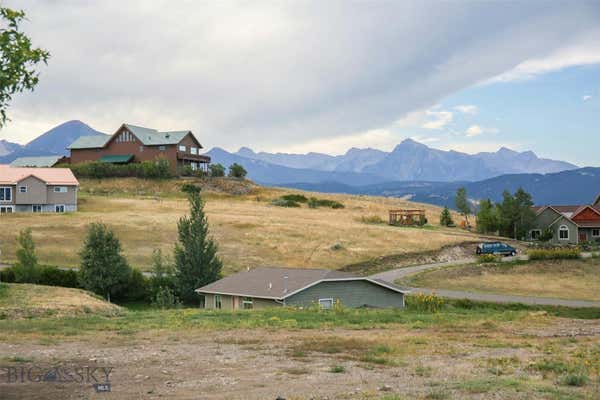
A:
(62, 198)
(36, 192)
(234, 302)
(350, 293)
(573, 231)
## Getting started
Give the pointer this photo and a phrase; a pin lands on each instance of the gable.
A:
(31, 180)
(190, 140)
(546, 217)
(587, 214)
(564, 221)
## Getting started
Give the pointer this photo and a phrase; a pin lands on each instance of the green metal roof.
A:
(117, 158)
(39, 162)
(152, 137)
(90, 142)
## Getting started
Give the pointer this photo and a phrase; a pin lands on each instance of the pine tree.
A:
(196, 260)
(104, 270)
(446, 217)
(487, 218)
(26, 270)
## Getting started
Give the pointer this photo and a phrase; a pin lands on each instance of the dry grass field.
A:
(249, 230)
(567, 279)
(29, 301)
(476, 353)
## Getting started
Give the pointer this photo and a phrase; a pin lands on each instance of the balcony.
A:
(193, 157)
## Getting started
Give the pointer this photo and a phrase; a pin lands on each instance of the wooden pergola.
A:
(407, 217)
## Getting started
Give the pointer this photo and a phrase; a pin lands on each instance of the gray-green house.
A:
(570, 225)
(272, 287)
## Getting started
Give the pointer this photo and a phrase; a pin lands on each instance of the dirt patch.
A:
(567, 328)
(445, 254)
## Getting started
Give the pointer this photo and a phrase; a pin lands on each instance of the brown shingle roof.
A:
(270, 282)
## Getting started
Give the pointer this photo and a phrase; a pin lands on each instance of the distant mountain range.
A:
(53, 142)
(412, 170)
(579, 186)
(413, 161)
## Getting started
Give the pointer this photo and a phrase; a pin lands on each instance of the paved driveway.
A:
(395, 274)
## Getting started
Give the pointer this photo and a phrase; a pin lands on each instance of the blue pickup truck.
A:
(496, 248)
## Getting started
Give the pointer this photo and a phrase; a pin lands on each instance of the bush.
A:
(190, 188)
(165, 298)
(297, 198)
(487, 258)
(315, 203)
(217, 170)
(285, 203)
(157, 169)
(54, 276)
(189, 171)
(237, 171)
(7, 275)
(425, 302)
(372, 219)
(446, 218)
(578, 379)
(137, 288)
(554, 254)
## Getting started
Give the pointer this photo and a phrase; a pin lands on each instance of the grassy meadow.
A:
(566, 279)
(250, 231)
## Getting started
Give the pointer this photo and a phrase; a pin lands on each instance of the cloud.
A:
(440, 119)
(277, 74)
(467, 109)
(476, 130)
(586, 51)
(587, 97)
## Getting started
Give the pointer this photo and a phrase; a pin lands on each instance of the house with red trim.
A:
(131, 143)
(569, 224)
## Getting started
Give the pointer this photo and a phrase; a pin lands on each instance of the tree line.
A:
(512, 217)
(105, 271)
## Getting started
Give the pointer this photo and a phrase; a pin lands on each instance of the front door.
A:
(583, 237)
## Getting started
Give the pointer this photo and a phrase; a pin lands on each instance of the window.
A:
(247, 303)
(22, 189)
(161, 148)
(326, 304)
(218, 302)
(141, 149)
(6, 209)
(59, 208)
(563, 232)
(535, 234)
(60, 189)
(5, 194)
(194, 165)
(595, 233)
(182, 148)
(36, 208)
(194, 150)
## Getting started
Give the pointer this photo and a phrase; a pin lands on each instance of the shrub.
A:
(337, 369)
(577, 379)
(217, 170)
(446, 218)
(237, 171)
(157, 169)
(487, 258)
(54, 276)
(7, 275)
(138, 287)
(284, 203)
(315, 203)
(165, 298)
(26, 270)
(425, 302)
(372, 219)
(190, 188)
(554, 254)
(297, 198)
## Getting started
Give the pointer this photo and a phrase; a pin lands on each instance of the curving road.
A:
(395, 274)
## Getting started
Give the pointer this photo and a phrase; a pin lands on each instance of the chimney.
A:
(285, 284)
(270, 285)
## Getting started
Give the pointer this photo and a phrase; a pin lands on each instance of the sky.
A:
(300, 76)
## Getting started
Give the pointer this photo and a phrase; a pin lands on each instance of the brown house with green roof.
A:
(132, 143)
(297, 287)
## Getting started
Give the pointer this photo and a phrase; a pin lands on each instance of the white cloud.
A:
(587, 97)
(440, 119)
(277, 74)
(467, 109)
(476, 130)
(585, 51)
